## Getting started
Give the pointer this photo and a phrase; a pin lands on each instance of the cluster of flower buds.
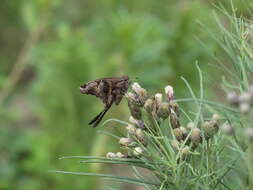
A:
(116, 155)
(244, 100)
(211, 127)
(135, 140)
(136, 100)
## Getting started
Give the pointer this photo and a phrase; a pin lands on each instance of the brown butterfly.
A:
(109, 90)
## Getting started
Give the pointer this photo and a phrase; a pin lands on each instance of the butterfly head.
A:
(85, 88)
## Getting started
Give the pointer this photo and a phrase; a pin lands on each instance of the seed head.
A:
(186, 150)
(134, 110)
(210, 128)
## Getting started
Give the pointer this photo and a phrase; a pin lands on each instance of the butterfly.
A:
(109, 90)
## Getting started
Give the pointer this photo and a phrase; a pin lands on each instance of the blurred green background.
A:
(48, 48)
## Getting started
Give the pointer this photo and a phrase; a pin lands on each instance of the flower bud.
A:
(163, 110)
(174, 108)
(169, 93)
(174, 121)
(132, 98)
(186, 150)
(149, 105)
(178, 134)
(138, 151)
(232, 98)
(140, 136)
(195, 137)
(141, 92)
(249, 133)
(130, 129)
(175, 144)
(126, 141)
(111, 155)
(215, 117)
(134, 110)
(190, 125)
(227, 129)
(137, 123)
(120, 155)
(158, 100)
(184, 131)
(244, 108)
(210, 128)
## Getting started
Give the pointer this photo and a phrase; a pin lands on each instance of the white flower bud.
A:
(138, 151)
(111, 155)
(190, 125)
(120, 155)
(169, 92)
(126, 141)
(130, 129)
(158, 99)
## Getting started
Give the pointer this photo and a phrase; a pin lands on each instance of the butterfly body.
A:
(109, 90)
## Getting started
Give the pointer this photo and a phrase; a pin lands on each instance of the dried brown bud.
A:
(141, 93)
(137, 123)
(227, 129)
(184, 131)
(135, 110)
(210, 128)
(138, 151)
(149, 105)
(195, 137)
(178, 134)
(163, 110)
(126, 141)
(174, 121)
